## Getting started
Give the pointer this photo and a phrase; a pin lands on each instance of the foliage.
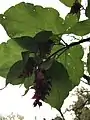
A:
(88, 9)
(12, 117)
(80, 106)
(25, 19)
(57, 118)
(37, 56)
(81, 109)
(69, 3)
(88, 62)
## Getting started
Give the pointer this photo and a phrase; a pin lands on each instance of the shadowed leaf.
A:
(61, 85)
(14, 73)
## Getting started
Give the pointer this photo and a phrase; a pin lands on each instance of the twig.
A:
(61, 53)
(84, 82)
(69, 46)
(61, 114)
(66, 48)
(56, 52)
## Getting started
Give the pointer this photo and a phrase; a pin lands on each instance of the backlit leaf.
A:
(70, 20)
(25, 19)
(81, 28)
(10, 53)
(71, 59)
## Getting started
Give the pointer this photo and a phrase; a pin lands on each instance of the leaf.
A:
(25, 56)
(28, 43)
(44, 43)
(14, 73)
(81, 28)
(71, 60)
(88, 62)
(10, 53)
(68, 3)
(43, 36)
(29, 81)
(61, 85)
(32, 44)
(76, 8)
(25, 19)
(16, 76)
(26, 91)
(57, 47)
(87, 11)
(47, 64)
(70, 21)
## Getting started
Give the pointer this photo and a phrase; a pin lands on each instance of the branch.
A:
(68, 46)
(87, 78)
(79, 42)
(63, 49)
(54, 54)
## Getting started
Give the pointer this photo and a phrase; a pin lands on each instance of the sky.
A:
(11, 99)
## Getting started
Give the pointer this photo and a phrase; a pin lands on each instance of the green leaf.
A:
(10, 53)
(56, 48)
(61, 85)
(68, 3)
(47, 64)
(26, 91)
(29, 81)
(14, 73)
(87, 11)
(88, 62)
(25, 19)
(43, 36)
(32, 44)
(16, 76)
(81, 28)
(25, 56)
(28, 43)
(70, 21)
(1, 17)
(71, 59)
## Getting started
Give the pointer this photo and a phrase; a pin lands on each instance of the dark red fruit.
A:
(42, 86)
(76, 7)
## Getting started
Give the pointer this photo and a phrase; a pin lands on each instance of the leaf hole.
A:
(68, 28)
(74, 68)
(68, 63)
(4, 17)
(48, 9)
(34, 10)
(69, 54)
